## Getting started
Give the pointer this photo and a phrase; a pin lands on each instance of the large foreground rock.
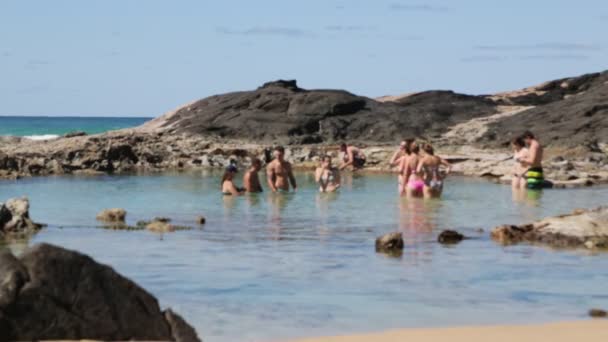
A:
(15, 218)
(51, 293)
(582, 228)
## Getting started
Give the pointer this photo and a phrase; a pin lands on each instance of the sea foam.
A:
(42, 137)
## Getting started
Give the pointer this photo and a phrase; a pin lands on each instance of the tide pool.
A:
(268, 267)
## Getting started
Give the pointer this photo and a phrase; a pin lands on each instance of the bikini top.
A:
(327, 177)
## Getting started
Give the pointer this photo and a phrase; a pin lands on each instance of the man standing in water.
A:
(251, 180)
(279, 173)
(534, 162)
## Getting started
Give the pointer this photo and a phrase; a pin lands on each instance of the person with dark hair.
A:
(429, 168)
(279, 173)
(251, 180)
(327, 176)
(228, 187)
(411, 182)
(533, 161)
(352, 156)
(520, 152)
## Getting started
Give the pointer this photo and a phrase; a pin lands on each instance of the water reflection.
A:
(527, 196)
(277, 203)
(229, 279)
(324, 207)
(416, 216)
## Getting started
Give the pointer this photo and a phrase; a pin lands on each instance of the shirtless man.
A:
(251, 180)
(279, 173)
(534, 162)
(352, 156)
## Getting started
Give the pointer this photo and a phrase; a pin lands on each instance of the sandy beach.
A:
(589, 331)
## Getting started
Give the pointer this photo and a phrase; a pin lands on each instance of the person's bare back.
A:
(536, 154)
(251, 180)
(535, 151)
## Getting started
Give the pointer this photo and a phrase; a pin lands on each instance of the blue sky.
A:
(142, 58)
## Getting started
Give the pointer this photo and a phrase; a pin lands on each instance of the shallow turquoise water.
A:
(270, 267)
(33, 126)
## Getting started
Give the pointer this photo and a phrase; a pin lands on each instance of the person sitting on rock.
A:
(279, 173)
(251, 180)
(327, 176)
(228, 186)
(534, 162)
(352, 156)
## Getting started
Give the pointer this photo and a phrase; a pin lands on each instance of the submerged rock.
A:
(598, 313)
(582, 228)
(112, 215)
(160, 227)
(15, 218)
(51, 293)
(390, 243)
(450, 237)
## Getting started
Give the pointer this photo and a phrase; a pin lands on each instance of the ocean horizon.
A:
(48, 127)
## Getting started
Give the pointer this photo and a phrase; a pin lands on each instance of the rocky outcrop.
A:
(282, 112)
(391, 243)
(582, 228)
(577, 116)
(51, 293)
(568, 115)
(115, 215)
(15, 219)
(551, 91)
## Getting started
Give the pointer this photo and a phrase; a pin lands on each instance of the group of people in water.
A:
(421, 173)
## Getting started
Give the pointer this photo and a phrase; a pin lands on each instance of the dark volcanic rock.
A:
(580, 119)
(281, 111)
(551, 91)
(52, 294)
(74, 134)
(450, 237)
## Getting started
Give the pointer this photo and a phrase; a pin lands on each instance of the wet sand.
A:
(588, 331)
